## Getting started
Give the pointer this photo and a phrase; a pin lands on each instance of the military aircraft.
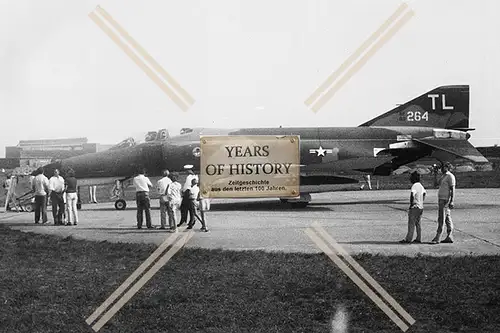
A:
(434, 124)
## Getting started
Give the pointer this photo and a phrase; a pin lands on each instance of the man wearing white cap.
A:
(186, 200)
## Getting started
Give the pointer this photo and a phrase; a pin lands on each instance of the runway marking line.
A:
(134, 288)
(316, 234)
(180, 96)
(315, 101)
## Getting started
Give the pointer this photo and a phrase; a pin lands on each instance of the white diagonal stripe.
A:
(368, 292)
(167, 77)
(131, 278)
(362, 61)
(326, 236)
(373, 37)
(129, 51)
(144, 279)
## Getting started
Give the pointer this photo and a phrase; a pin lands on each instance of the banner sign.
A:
(255, 166)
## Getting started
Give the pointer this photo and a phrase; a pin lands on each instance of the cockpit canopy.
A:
(161, 135)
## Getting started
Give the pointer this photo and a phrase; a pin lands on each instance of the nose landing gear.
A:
(117, 193)
(120, 204)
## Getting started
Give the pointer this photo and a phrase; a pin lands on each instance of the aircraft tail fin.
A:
(444, 107)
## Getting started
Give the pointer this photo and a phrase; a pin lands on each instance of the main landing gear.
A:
(297, 203)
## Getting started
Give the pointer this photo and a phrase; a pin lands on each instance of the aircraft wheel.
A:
(120, 204)
(28, 208)
(299, 204)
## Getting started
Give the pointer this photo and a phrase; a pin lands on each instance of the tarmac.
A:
(367, 221)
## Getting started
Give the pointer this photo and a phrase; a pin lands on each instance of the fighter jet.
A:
(435, 124)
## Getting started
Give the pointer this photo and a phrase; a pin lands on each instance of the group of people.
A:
(62, 193)
(173, 197)
(446, 195)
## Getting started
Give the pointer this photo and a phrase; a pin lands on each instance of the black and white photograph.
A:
(226, 166)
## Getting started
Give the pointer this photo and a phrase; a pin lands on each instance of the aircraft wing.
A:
(458, 148)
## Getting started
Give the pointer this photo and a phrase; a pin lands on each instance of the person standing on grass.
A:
(161, 188)
(417, 197)
(71, 197)
(142, 185)
(41, 188)
(446, 195)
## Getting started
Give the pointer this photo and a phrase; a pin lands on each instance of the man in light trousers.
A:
(446, 196)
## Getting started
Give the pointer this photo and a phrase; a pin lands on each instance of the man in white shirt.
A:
(161, 187)
(185, 197)
(56, 192)
(142, 185)
(417, 197)
(173, 201)
(41, 188)
(446, 194)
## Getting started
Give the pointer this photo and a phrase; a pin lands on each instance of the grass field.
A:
(50, 284)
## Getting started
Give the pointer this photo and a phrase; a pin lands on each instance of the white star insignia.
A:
(321, 151)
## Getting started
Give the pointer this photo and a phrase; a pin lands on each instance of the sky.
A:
(246, 64)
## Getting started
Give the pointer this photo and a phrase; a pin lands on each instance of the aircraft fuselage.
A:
(329, 149)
